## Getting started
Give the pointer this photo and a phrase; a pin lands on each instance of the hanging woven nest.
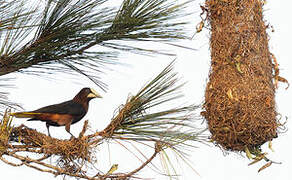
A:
(240, 95)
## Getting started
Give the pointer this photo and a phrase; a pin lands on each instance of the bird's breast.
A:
(77, 118)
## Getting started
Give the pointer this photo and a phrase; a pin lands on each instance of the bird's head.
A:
(86, 94)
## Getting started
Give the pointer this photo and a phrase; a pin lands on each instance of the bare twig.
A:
(158, 148)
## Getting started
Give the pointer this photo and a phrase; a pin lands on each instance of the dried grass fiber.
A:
(240, 95)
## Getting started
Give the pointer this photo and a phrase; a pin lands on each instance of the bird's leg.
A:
(67, 127)
(48, 126)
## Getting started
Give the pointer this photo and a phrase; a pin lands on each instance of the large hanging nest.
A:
(240, 95)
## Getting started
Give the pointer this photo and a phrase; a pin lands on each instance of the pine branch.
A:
(141, 119)
(144, 20)
(138, 121)
(69, 29)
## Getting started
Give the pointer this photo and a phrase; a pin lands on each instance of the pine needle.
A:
(4, 101)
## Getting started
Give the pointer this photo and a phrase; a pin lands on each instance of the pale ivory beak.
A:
(93, 94)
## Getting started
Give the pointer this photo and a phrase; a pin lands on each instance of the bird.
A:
(62, 114)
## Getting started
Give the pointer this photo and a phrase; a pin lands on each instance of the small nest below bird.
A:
(71, 152)
(240, 95)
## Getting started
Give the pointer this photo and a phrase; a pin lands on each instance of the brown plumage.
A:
(63, 114)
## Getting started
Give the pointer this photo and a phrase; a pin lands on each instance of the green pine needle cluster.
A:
(60, 35)
(142, 118)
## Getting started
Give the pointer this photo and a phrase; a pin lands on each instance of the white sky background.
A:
(209, 161)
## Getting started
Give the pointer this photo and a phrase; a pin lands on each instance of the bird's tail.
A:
(24, 114)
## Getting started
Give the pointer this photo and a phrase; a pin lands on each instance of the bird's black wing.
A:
(68, 107)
